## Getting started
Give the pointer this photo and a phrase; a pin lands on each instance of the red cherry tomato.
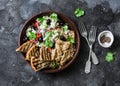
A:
(36, 24)
(49, 49)
(38, 35)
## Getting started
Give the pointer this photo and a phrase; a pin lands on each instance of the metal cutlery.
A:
(83, 32)
(92, 36)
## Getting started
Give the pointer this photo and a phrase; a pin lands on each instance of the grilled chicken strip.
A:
(33, 51)
(44, 54)
(37, 64)
(25, 46)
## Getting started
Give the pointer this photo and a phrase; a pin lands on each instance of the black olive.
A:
(53, 45)
(32, 26)
(60, 23)
(62, 38)
(40, 39)
(48, 22)
(25, 38)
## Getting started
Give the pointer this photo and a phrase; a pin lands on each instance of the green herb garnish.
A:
(32, 35)
(79, 12)
(44, 24)
(49, 34)
(109, 57)
(71, 39)
(65, 28)
(54, 17)
(48, 43)
(53, 65)
(58, 33)
(41, 19)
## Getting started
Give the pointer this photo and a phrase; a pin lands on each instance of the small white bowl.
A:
(109, 34)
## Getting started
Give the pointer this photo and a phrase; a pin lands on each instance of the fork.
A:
(92, 36)
(83, 32)
(92, 40)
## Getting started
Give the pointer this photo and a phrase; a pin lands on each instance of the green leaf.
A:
(54, 65)
(65, 28)
(109, 57)
(71, 39)
(79, 12)
(32, 35)
(49, 34)
(41, 19)
(54, 17)
(58, 33)
(48, 43)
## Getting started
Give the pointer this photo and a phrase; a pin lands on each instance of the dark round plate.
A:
(71, 25)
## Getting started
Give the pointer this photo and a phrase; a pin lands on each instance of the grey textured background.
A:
(14, 71)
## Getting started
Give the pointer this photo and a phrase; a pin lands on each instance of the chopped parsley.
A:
(32, 35)
(54, 17)
(40, 19)
(71, 39)
(48, 43)
(54, 65)
(65, 28)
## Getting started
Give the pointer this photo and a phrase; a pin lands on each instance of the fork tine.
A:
(93, 33)
(83, 26)
(82, 30)
(90, 35)
(95, 29)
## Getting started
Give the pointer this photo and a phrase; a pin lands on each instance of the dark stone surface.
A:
(14, 71)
